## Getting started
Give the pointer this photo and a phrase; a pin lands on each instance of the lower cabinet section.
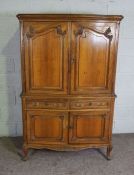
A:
(47, 127)
(88, 127)
(64, 130)
(53, 127)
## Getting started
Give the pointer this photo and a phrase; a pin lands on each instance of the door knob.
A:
(71, 127)
(72, 61)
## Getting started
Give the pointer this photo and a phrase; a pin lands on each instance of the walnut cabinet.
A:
(68, 77)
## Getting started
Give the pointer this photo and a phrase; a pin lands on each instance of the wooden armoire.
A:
(68, 78)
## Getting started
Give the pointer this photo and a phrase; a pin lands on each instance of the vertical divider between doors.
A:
(69, 73)
(68, 126)
(69, 57)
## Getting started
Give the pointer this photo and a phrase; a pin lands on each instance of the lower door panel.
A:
(89, 127)
(47, 127)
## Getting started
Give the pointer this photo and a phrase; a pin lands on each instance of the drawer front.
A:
(47, 104)
(89, 104)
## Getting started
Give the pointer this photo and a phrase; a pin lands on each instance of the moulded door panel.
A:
(92, 61)
(47, 127)
(46, 57)
(89, 127)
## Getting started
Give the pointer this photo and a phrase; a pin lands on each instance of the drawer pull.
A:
(78, 105)
(36, 104)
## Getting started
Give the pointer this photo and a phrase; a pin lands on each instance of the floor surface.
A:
(85, 162)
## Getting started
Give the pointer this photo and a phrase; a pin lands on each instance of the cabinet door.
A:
(93, 59)
(46, 57)
(88, 127)
(47, 127)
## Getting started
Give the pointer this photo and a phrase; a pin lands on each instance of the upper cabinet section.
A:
(46, 57)
(69, 54)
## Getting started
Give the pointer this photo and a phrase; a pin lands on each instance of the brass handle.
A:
(36, 104)
(72, 61)
(78, 105)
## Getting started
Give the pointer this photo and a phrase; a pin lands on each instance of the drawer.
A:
(89, 104)
(47, 104)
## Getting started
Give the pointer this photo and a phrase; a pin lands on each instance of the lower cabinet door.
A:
(88, 127)
(47, 127)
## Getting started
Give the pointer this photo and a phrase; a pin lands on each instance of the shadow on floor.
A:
(12, 144)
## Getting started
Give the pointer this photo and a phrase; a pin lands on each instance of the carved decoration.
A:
(31, 32)
(79, 31)
(60, 32)
(108, 34)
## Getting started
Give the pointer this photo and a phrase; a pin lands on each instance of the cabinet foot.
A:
(24, 154)
(109, 151)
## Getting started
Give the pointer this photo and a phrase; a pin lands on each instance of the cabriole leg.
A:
(109, 150)
(25, 152)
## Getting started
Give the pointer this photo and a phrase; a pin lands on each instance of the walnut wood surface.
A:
(68, 78)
